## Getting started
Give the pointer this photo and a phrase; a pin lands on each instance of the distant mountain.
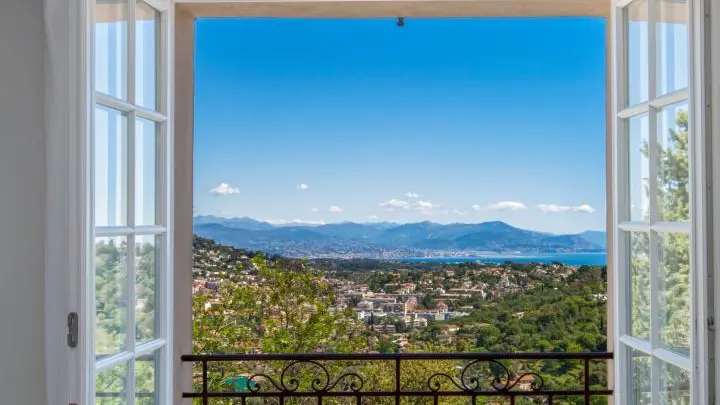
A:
(235, 223)
(352, 230)
(386, 240)
(595, 237)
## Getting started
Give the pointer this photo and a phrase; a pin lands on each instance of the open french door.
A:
(123, 353)
(661, 215)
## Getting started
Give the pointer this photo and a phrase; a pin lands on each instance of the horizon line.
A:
(303, 223)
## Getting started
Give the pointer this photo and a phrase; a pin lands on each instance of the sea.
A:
(571, 259)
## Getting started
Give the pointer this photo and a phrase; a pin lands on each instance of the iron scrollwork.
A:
(499, 379)
(289, 383)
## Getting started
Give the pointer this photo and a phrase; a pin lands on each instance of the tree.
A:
(674, 204)
(673, 198)
(111, 295)
(287, 311)
(111, 272)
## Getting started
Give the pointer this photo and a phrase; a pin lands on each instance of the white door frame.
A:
(711, 62)
(67, 122)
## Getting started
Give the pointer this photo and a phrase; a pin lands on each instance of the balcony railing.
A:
(364, 378)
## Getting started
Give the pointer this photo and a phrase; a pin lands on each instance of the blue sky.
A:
(448, 120)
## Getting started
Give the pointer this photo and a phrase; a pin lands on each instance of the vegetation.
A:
(289, 311)
(112, 298)
(673, 251)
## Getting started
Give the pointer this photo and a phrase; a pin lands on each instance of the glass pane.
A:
(640, 366)
(110, 167)
(145, 282)
(146, 380)
(671, 32)
(640, 285)
(674, 274)
(111, 47)
(673, 170)
(111, 385)
(674, 385)
(639, 168)
(111, 295)
(145, 172)
(636, 20)
(147, 22)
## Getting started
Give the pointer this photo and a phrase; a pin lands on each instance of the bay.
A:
(571, 259)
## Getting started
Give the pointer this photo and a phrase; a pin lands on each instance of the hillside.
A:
(385, 240)
(597, 237)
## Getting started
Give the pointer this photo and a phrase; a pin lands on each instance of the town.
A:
(404, 305)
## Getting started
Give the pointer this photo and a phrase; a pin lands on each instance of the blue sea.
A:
(572, 259)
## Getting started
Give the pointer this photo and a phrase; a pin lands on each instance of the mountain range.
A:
(388, 240)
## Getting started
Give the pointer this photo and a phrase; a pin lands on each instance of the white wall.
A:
(22, 202)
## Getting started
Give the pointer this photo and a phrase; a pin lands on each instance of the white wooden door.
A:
(659, 209)
(126, 279)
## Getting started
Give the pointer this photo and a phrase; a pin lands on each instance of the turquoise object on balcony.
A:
(240, 384)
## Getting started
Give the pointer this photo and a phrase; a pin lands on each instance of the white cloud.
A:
(501, 206)
(458, 212)
(424, 205)
(428, 208)
(554, 208)
(392, 205)
(314, 209)
(410, 194)
(335, 208)
(435, 212)
(302, 186)
(373, 218)
(586, 208)
(294, 221)
(224, 189)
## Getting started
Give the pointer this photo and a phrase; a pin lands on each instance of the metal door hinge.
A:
(711, 324)
(72, 323)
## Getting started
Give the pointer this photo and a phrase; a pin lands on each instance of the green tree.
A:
(673, 203)
(287, 311)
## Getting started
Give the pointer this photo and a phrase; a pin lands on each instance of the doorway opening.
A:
(385, 186)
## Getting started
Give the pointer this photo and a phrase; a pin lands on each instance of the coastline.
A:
(583, 258)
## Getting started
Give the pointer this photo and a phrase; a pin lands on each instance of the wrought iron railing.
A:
(365, 378)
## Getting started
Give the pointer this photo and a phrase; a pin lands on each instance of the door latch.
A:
(72, 323)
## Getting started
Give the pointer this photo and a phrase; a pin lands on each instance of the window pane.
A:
(674, 295)
(111, 295)
(640, 285)
(146, 380)
(145, 172)
(111, 47)
(671, 32)
(110, 167)
(639, 378)
(145, 282)
(639, 168)
(146, 54)
(674, 385)
(111, 385)
(673, 175)
(636, 15)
